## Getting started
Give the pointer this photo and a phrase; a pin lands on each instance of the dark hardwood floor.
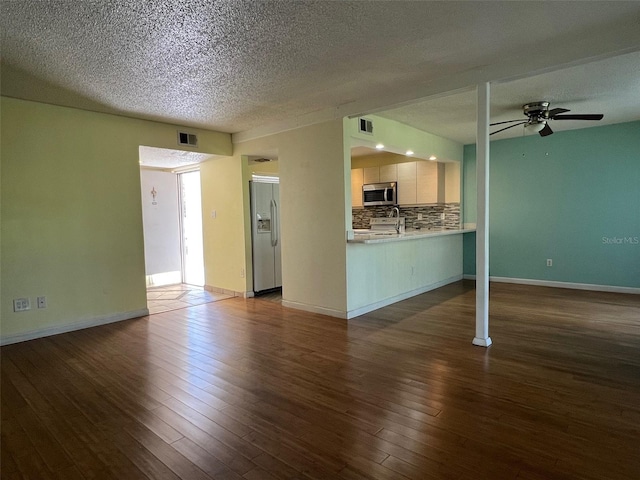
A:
(249, 389)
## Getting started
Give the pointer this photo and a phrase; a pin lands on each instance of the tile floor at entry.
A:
(174, 297)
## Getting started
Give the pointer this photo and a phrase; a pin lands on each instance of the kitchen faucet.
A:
(396, 210)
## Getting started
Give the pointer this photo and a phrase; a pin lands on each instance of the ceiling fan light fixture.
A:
(535, 126)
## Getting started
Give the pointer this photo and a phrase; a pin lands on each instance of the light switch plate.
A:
(21, 304)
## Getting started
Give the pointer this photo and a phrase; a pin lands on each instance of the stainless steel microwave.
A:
(379, 194)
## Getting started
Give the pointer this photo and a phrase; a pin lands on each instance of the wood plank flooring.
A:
(247, 389)
(173, 297)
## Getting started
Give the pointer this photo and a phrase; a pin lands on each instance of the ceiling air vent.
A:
(187, 139)
(365, 126)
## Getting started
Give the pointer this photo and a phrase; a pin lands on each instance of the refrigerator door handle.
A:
(274, 219)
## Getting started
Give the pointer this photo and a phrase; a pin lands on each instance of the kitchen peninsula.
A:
(412, 234)
(424, 249)
(384, 269)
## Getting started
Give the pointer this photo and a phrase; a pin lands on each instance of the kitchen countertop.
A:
(409, 234)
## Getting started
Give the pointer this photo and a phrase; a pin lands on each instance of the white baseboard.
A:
(331, 312)
(225, 291)
(403, 296)
(371, 307)
(70, 327)
(555, 284)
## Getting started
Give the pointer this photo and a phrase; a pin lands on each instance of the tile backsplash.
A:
(431, 215)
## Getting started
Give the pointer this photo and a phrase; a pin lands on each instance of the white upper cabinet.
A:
(356, 187)
(419, 182)
(430, 182)
(407, 183)
(371, 175)
(389, 173)
(383, 173)
(452, 182)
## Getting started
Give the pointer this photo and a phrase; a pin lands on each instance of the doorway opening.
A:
(171, 217)
(191, 228)
(172, 228)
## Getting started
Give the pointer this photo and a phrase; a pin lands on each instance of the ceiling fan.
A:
(538, 116)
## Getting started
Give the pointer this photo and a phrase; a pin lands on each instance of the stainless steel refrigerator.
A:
(265, 235)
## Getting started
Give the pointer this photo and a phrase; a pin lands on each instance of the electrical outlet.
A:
(443, 216)
(214, 214)
(242, 273)
(549, 262)
(42, 302)
(21, 304)
(419, 216)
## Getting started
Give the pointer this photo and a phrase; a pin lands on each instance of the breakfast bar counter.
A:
(384, 267)
(368, 237)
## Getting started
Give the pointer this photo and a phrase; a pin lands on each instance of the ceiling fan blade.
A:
(508, 121)
(555, 111)
(546, 131)
(505, 128)
(578, 116)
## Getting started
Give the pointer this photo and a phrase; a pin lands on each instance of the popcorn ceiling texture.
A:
(431, 215)
(227, 65)
(236, 65)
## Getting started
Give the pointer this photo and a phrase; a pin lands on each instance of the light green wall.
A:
(380, 273)
(224, 235)
(312, 170)
(559, 197)
(71, 212)
(227, 237)
(398, 138)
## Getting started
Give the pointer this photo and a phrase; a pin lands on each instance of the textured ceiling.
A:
(170, 159)
(258, 66)
(610, 87)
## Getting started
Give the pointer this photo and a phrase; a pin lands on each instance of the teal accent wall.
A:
(573, 197)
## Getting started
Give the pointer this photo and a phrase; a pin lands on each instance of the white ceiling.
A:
(610, 87)
(252, 68)
(165, 158)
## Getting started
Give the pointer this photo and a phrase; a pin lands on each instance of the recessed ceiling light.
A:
(379, 146)
(433, 157)
(409, 152)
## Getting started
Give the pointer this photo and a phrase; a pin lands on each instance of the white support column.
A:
(482, 223)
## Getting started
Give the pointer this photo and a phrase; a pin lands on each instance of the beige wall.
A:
(224, 236)
(71, 214)
(313, 175)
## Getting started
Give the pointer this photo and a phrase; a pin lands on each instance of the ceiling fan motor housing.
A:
(538, 112)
